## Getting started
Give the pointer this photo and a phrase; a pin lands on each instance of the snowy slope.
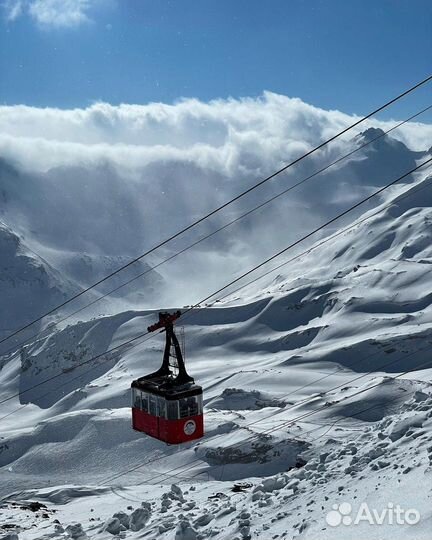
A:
(29, 285)
(56, 240)
(87, 268)
(87, 220)
(305, 392)
(351, 465)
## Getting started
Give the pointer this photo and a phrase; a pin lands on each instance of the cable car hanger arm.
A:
(166, 322)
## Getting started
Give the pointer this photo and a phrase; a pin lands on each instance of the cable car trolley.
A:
(167, 404)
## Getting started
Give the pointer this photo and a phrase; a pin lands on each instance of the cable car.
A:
(167, 404)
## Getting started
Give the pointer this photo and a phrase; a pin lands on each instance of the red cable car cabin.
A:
(168, 404)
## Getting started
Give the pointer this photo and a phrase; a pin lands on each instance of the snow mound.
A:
(237, 399)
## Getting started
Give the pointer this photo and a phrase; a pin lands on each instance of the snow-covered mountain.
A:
(29, 285)
(318, 392)
(61, 216)
(45, 257)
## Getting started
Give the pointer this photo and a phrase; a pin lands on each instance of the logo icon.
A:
(339, 514)
(189, 427)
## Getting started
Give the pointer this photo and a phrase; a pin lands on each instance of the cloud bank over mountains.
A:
(115, 180)
(249, 135)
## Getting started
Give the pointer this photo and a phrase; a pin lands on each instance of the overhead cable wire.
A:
(159, 476)
(308, 400)
(410, 193)
(317, 229)
(298, 418)
(223, 227)
(313, 382)
(219, 208)
(236, 280)
(324, 241)
(290, 422)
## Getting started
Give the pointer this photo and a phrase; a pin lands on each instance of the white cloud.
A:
(13, 9)
(50, 13)
(229, 136)
(60, 13)
(117, 178)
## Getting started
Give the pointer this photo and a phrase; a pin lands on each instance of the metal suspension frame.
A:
(166, 322)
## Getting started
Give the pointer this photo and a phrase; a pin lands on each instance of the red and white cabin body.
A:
(173, 415)
(167, 404)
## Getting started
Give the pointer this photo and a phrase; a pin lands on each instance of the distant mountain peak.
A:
(370, 134)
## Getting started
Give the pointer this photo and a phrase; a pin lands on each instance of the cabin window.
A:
(140, 400)
(190, 406)
(136, 398)
(193, 406)
(144, 402)
(200, 404)
(184, 410)
(153, 405)
(172, 410)
(161, 407)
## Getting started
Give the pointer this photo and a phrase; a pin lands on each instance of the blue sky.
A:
(345, 54)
